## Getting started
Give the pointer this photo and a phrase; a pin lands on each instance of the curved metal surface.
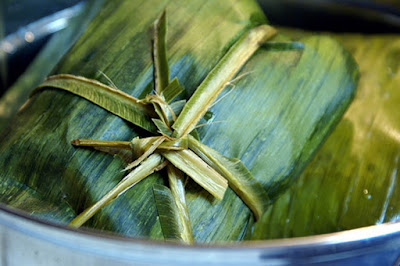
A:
(38, 30)
(26, 241)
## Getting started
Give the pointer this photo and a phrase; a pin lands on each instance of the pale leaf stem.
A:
(145, 169)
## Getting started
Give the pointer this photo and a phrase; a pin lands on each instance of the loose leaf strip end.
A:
(145, 169)
(108, 98)
(160, 61)
(239, 177)
(172, 208)
(125, 145)
(216, 80)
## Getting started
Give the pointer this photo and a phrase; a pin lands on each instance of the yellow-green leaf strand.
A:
(108, 98)
(198, 170)
(145, 169)
(217, 79)
(177, 185)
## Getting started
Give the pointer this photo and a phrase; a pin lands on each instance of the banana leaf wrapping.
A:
(283, 104)
(353, 180)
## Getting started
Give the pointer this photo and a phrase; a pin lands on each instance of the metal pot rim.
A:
(22, 222)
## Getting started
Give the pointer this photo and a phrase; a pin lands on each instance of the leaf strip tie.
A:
(157, 142)
(184, 153)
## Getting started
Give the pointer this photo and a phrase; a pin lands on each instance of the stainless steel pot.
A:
(28, 241)
(25, 240)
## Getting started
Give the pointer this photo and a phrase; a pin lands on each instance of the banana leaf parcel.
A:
(272, 117)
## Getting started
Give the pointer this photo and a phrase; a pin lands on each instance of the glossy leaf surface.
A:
(353, 181)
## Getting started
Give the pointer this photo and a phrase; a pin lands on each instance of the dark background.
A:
(365, 16)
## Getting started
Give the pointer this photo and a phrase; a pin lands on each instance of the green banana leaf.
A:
(280, 108)
(353, 181)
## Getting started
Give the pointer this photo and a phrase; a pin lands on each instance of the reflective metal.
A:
(38, 30)
(27, 241)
